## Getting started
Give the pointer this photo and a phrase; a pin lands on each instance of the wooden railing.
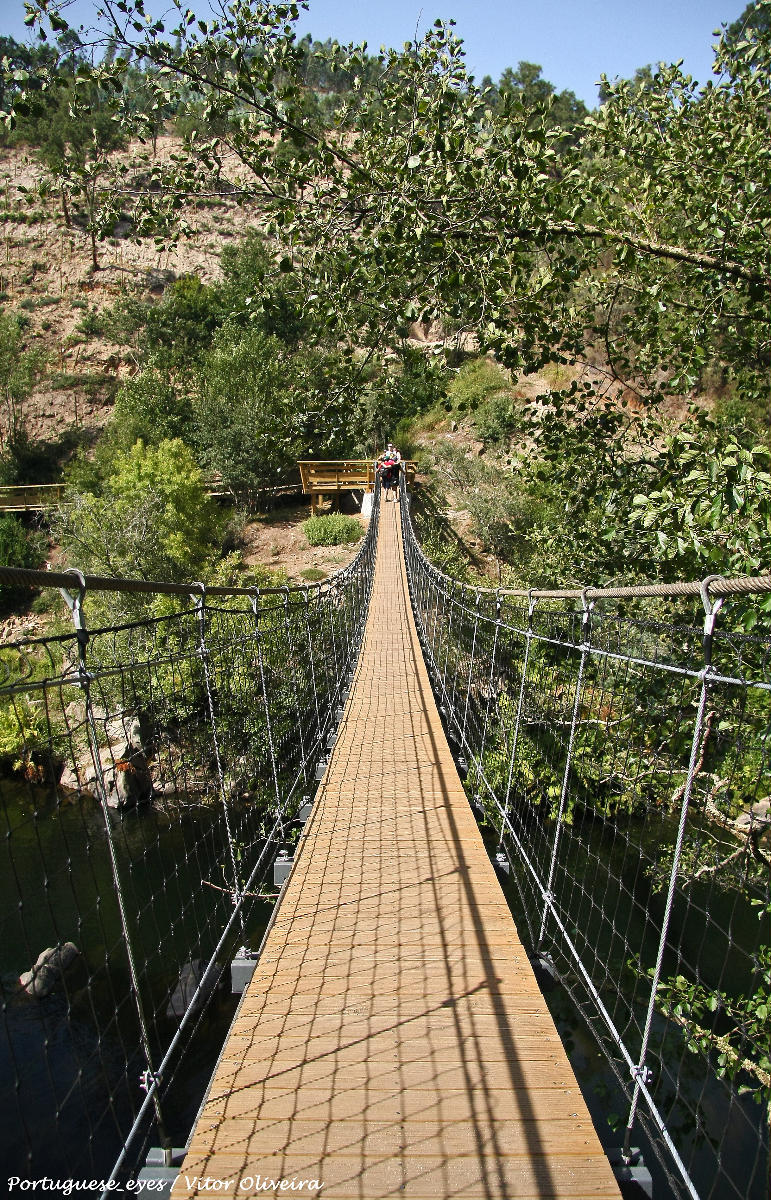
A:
(322, 478)
(30, 497)
(37, 497)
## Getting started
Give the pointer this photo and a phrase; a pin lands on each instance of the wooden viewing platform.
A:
(393, 1040)
(324, 479)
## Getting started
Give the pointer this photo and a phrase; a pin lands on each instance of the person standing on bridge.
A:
(388, 465)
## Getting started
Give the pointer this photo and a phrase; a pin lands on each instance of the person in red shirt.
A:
(388, 465)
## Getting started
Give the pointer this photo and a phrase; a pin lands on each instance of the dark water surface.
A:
(70, 1063)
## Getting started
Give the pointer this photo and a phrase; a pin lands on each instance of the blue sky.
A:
(573, 40)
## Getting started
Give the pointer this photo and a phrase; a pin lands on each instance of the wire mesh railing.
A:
(150, 772)
(616, 746)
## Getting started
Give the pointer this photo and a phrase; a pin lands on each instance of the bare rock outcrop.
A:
(123, 766)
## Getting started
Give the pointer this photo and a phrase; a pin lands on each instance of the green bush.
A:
(22, 731)
(496, 419)
(18, 548)
(474, 382)
(91, 323)
(332, 529)
(153, 521)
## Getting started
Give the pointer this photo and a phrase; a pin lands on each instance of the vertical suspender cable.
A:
(75, 605)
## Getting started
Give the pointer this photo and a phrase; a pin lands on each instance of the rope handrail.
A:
(19, 576)
(717, 586)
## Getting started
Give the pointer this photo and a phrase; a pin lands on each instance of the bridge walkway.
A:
(393, 1040)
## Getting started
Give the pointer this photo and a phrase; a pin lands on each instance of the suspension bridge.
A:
(392, 1037)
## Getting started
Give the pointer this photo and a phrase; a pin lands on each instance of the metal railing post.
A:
(83, 680)
(306, 597)
(518, 719)
(268, 724)
(640, 1071)
(199, 598)
(584, 647)
(470, 669)
(298, 713)
(493, 654)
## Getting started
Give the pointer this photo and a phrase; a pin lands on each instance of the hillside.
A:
(47, 274)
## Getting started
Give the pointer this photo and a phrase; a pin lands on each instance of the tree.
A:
(18, 548)
(756, 19)
(526, 86)
(646, 239)
(73, 134)
(20, 367)
(153, 520)
(243, 410)
(152, 408)
(254, 295)
(711, 513)
(19, 61)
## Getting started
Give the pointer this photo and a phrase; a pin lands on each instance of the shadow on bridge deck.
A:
(393, 1040)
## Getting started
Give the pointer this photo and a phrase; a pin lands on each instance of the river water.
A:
(70, 1064)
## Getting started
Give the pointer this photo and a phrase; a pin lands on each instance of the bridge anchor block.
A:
(241, 970)
(158, 1177)
(281, 868)
(631, 1173)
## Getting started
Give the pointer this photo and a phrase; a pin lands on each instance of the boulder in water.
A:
(123, 765)
(48, 969)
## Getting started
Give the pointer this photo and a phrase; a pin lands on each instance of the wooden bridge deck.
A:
(393, 1040)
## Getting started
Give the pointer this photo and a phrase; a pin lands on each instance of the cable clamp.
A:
(75, 605)
(79, 678)
(147, 1080)
(706, 599)
(642, 1074)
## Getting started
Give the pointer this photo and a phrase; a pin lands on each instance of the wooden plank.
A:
(393, 1040)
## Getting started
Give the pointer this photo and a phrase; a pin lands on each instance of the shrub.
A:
(91, 324)
(18, 548)
(474, 382)
(153, 521)
(332, 529)
(22, 731)
(496, 419)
